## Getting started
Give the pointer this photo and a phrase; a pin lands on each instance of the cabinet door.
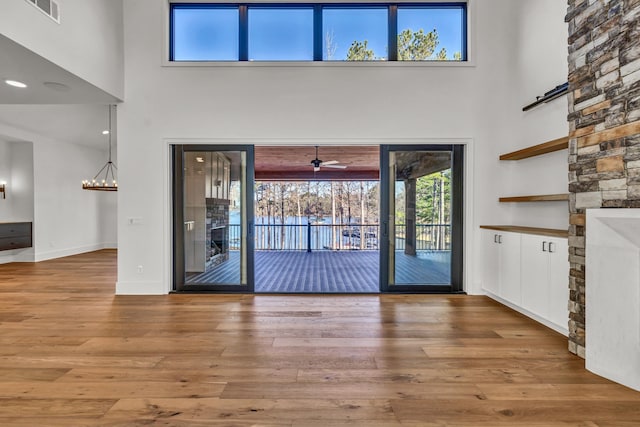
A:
(535, 273)
(490, 262)
(510, 267)
(559, 282)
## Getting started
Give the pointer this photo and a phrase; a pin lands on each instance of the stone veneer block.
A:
(630, 68)
(589, 200)
(614, 195)
(577, 219)
(633, 192)
(606, 81)
(583, 131)
(632, 78)
(610, 164)
(633, 164)
(613, 184)
(599, 106)
(609, 134)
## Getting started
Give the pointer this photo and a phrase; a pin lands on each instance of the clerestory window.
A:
(318, 32)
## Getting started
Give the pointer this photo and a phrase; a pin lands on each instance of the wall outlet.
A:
(140, 269)
(135, 220)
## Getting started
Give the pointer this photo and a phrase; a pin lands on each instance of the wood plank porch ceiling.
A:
(293, 163)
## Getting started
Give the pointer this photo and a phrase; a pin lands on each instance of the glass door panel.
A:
(213, 217)
(422, 203)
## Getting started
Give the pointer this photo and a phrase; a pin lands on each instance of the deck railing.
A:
(325, 237)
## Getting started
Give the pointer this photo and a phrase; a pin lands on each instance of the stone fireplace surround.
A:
(604, 149)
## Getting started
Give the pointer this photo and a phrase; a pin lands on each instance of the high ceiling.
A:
(294, 162)
(55, 103)
(47, 83)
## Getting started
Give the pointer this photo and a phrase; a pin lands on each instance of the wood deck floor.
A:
(73, 354)
(328, 271)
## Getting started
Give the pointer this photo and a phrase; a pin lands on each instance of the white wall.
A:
(540, 64)
(75, 225)
(282, 104)
(22, 181)
(66, 219)
(87, 42)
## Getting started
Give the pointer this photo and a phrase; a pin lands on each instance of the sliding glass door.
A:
(421, 218)
(213, 218)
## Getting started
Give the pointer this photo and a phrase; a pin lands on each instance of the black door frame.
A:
(177, 185)
(457, 220)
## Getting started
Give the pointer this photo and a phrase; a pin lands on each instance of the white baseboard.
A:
(7, 258)
(17, 255)
(545, 322)
(140, 288)
(60, 253)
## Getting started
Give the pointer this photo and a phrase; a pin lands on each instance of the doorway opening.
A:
(317, 236)
(422, 205)
(283, 220)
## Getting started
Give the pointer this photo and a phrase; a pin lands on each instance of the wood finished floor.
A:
(73, 354)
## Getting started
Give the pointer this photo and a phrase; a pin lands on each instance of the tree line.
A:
(412, 46)
(346, 204)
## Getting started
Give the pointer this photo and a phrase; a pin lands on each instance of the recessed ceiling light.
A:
(105, 132)
(199, 160)
(59, 87)
(15, 83)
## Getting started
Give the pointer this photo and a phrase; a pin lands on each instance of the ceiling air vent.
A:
(48, 7)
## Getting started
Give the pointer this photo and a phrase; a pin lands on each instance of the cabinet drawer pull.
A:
(495, 238)
(500, 238)
(544, 246)
(551, 247)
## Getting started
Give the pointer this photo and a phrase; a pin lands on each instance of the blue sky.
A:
(280, 34)
(287, 33)
(348, 25)
(202, 34)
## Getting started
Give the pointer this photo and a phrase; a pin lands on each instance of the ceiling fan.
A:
(317, 163)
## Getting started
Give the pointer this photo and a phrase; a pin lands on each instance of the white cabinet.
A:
(535, 273)
(559, 282)
(490, 262)
(545, 278)
(502, 264)
(529, 273)
(510, 267)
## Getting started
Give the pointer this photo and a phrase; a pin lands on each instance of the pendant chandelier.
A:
(105, 179)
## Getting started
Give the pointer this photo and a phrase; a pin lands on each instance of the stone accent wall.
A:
(604, 126)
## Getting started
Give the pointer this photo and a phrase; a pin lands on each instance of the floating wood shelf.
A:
(551, 232)
(536, 150)
(539, 198)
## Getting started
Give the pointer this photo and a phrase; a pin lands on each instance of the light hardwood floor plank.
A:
(74, 354)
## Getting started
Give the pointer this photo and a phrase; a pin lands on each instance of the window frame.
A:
(195, 5)
(392, 31)
(244, 26)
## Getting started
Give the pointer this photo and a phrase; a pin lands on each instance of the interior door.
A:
(213, 218)
(421, 218)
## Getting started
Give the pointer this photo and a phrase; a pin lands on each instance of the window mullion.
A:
(243, 45)
(317, 32)
(393, 33)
